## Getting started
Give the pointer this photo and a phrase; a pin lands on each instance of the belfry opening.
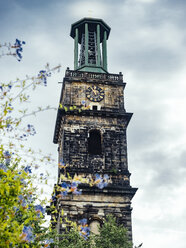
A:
(94, 142)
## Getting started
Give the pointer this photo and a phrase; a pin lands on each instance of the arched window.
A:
(94, 142)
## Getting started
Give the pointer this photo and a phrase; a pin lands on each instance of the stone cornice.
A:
(96, 113)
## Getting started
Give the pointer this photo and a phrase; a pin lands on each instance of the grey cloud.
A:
(150, 52)
(166, 175)
(148, 129)
(150, 60)
(182, 159)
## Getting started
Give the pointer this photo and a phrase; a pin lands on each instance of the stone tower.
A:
(93, 140)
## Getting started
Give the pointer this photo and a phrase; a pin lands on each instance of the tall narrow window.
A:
(94, 142)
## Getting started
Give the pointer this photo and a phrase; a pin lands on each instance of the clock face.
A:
(95, 93)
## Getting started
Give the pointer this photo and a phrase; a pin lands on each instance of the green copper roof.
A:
(91, 21)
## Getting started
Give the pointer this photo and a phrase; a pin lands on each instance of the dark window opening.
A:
(94, 142)
(95, 107)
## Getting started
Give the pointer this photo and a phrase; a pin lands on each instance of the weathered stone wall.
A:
(96, 207)
(72, 132)
(74, 94)
(74, 143)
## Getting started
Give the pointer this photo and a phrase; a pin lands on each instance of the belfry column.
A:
(98, 61)
(86, 43)
(104, 50)
(76, 50)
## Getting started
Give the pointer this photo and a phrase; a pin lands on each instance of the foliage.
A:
(15, 106)
(21, 211)
(112, 235)
(19, 214)
(14, 50)
(73, 239)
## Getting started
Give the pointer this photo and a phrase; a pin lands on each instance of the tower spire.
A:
(89, 55)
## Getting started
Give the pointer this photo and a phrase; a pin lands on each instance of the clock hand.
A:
(95, 91)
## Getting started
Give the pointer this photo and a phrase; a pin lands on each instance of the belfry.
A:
(90, 132)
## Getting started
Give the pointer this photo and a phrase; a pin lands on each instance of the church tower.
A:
(91, 130)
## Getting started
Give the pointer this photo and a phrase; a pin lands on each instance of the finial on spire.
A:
(90, 12)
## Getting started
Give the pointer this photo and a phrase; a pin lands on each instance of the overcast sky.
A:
(147, 43)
